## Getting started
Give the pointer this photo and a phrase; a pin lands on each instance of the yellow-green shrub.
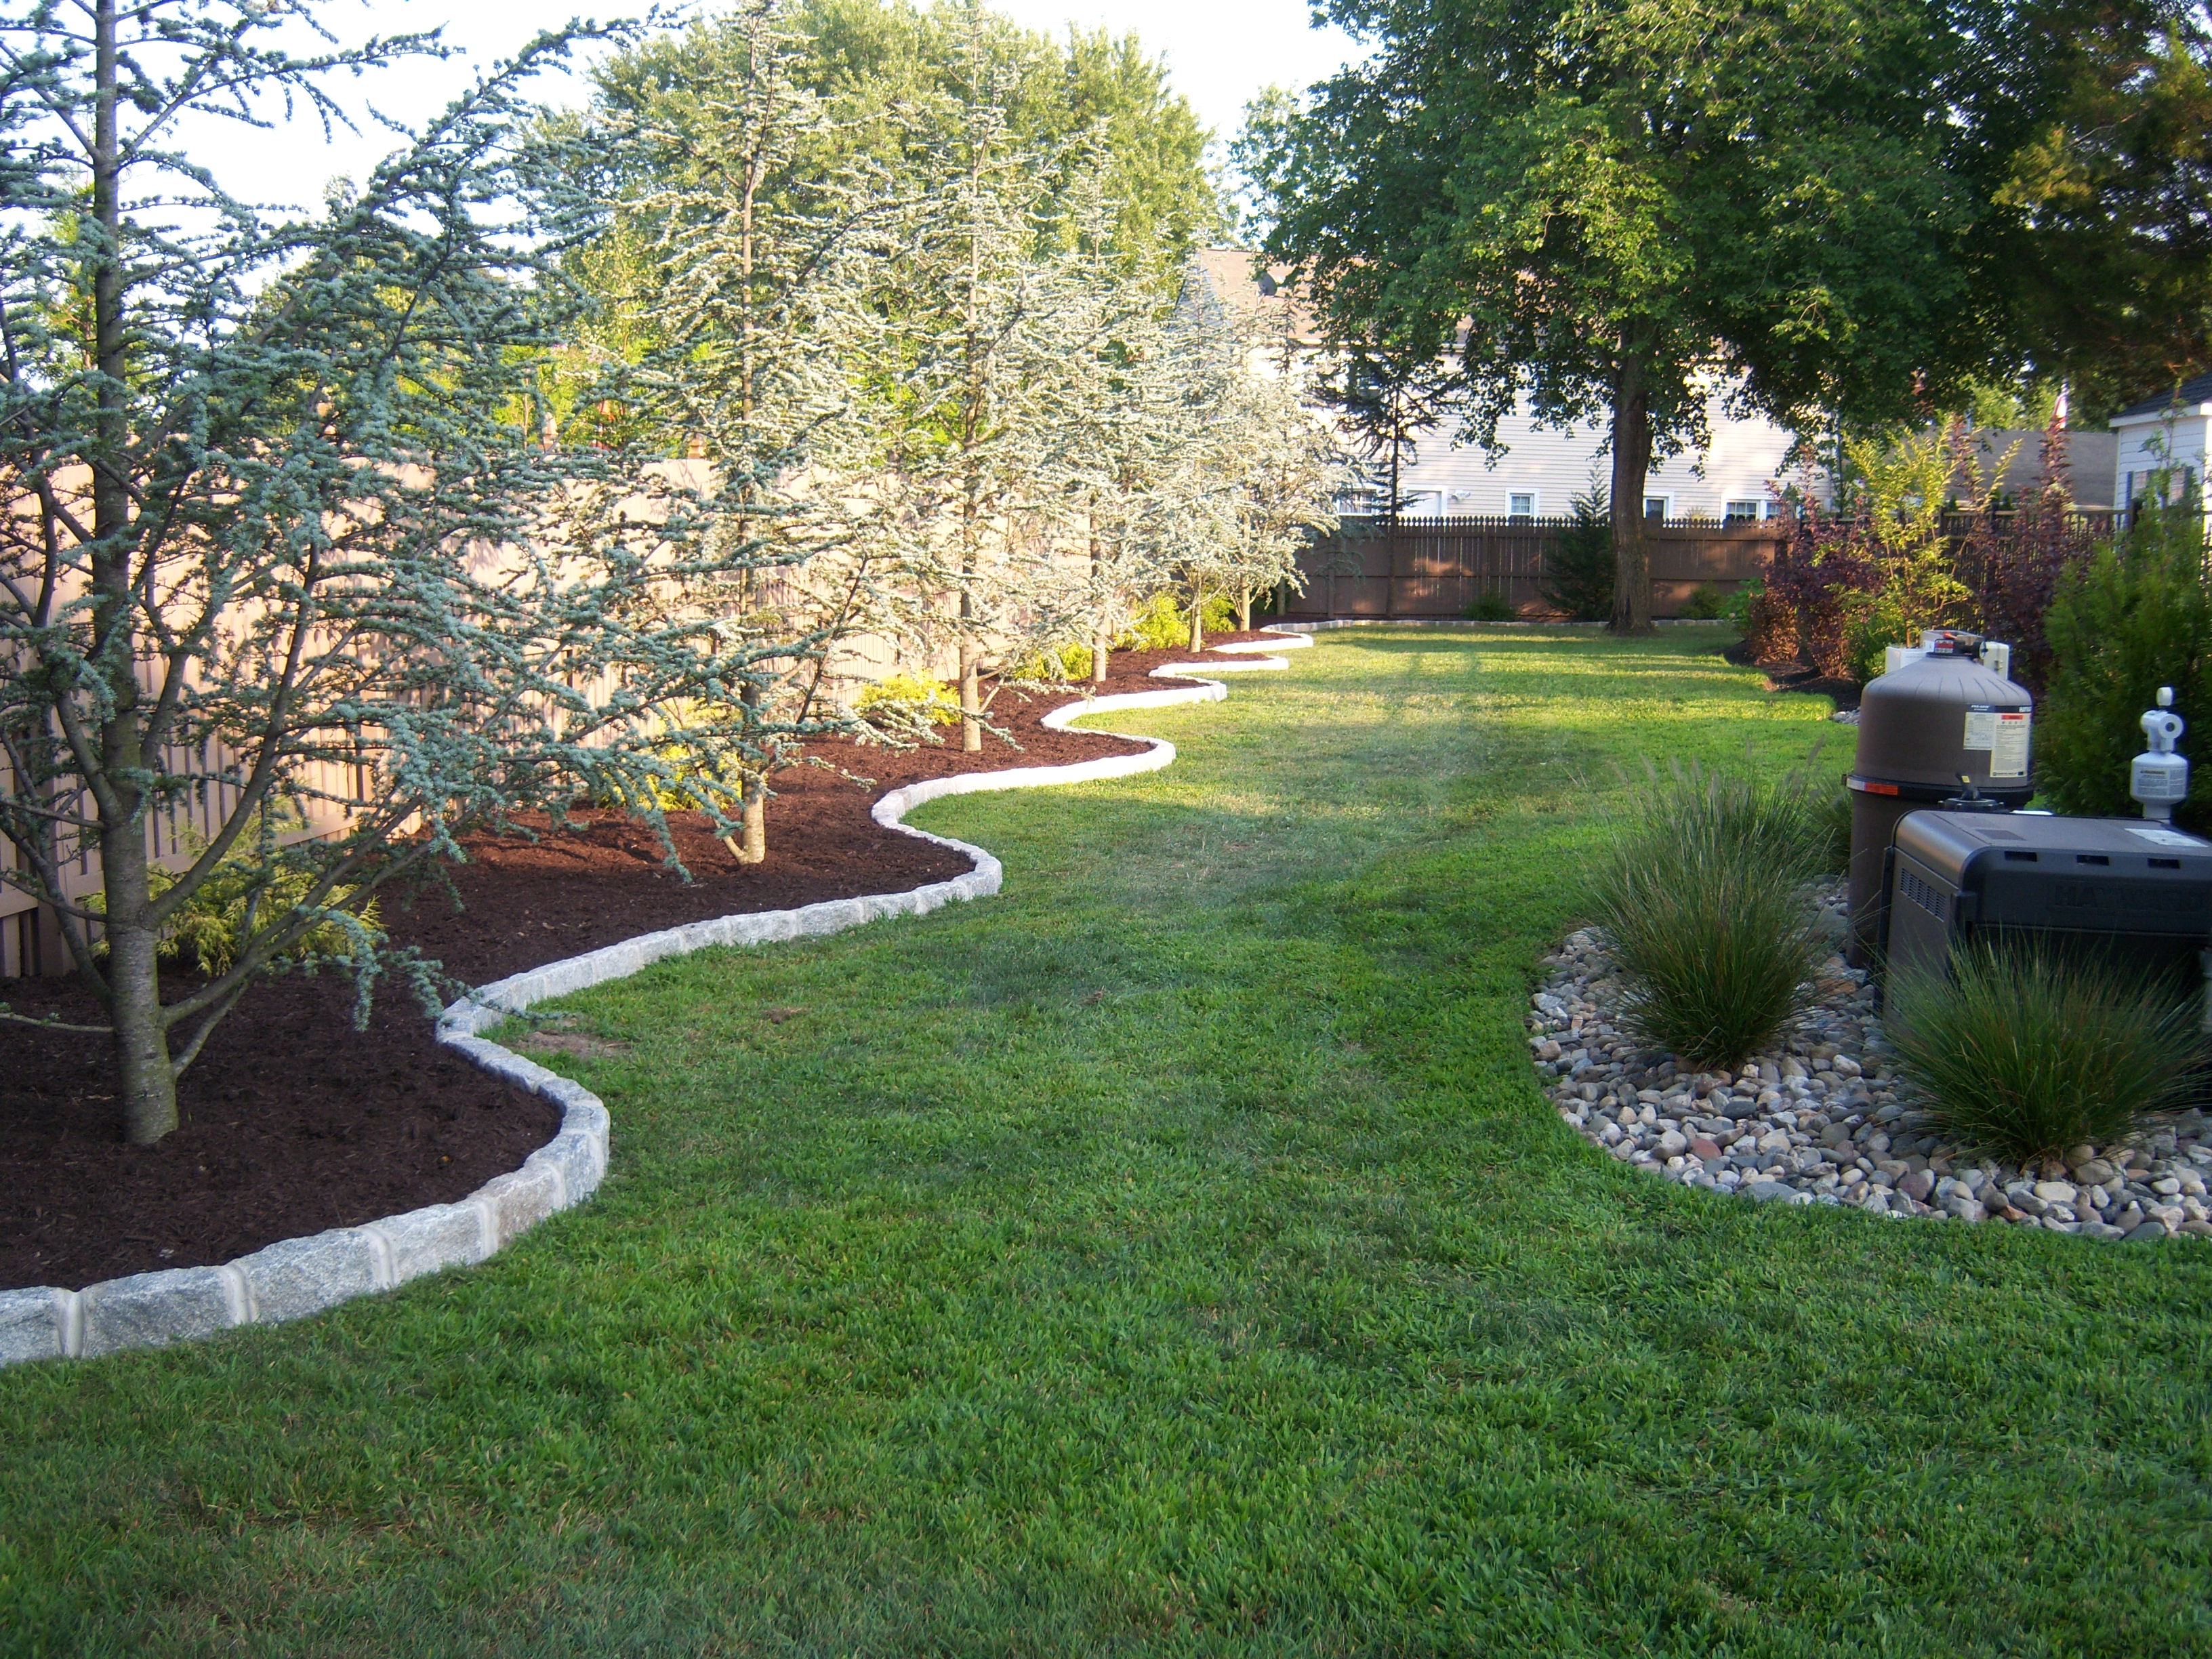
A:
(209, 927)
(1071, 661)
(917, 699)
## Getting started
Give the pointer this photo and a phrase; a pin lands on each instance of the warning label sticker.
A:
(2009, 752)
(2003, 733)
(2166, 837)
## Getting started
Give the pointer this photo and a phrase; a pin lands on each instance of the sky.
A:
(1221, 54)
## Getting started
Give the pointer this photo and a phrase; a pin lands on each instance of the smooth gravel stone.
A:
(1765, 1191)
(2094, 1172)
(2146, 1230)
(2056, 1192)
(1917, 1185)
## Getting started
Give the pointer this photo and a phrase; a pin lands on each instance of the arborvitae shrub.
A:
(1578, 565)
(2138, 615)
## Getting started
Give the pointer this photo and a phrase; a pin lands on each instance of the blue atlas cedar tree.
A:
(284, 537)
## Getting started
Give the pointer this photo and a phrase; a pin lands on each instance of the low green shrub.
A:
(249, 887)
(1705, 898)
(919, 700)
(1054, 664)
(1704, 603)
(1493, 608)
(1161, 625)
(1164, 625)
(2023, 1052)
(2138, 615)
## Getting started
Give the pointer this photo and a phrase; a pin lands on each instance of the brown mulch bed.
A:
(1799, 677)
(292, 1122)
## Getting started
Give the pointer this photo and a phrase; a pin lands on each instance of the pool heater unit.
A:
(2136, 891)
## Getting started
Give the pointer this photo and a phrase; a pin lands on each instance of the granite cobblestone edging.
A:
(295, 1277)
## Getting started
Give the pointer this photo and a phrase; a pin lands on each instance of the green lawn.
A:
(1173, 1255)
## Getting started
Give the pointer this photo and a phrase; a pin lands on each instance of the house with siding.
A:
(2166, 435)
(1538, 471)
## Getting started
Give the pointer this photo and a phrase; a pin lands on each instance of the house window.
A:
(1521, 506)
(1743, 512)
(1422, 504)
(1655, 507)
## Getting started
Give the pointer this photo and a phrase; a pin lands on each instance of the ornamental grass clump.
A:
(2022, 1052)
(1705, 901)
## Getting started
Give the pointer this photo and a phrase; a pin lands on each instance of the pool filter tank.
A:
(1944, 722)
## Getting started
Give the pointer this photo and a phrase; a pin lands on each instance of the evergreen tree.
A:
(977, 357)
(744, 267)
(281, 535)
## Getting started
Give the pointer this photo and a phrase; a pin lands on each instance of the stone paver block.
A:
(578, 1159)
(296, 1277)
(148, 1311)
(35, 1324)
(519, 1202)
(436, 1236)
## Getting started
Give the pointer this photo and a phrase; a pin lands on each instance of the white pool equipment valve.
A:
(2160, 778)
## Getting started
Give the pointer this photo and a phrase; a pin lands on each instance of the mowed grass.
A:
(1172, 1255)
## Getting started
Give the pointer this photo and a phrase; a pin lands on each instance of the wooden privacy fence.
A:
(1437, 568)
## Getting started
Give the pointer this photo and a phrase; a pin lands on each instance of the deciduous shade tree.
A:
(276, 540)
(1612, 210)
(2100, 120)
(894, 77)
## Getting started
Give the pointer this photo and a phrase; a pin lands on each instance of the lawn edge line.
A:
(294, 1277)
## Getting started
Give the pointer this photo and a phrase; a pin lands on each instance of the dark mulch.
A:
(292, 1122)
(1799, 677)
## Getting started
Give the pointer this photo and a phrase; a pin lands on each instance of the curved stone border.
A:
(295, 1277)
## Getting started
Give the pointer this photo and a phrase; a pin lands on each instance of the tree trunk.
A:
(1244, 609)
(145, 1072)
(147, 1076)
(752, 823)
(1102, 636)
(1198, 619)
(971, 700)
(1632, 463)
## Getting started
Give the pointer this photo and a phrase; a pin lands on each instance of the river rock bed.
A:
(1824, 1118)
